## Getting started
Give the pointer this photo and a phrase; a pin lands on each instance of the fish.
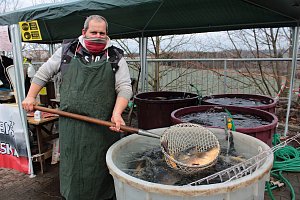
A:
(172, 163)
(194, 158)
(164, 144)
(234, 159)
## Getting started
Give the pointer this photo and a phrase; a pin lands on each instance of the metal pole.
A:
(225, 74)
(142, 64)
(145, 44)
(144, 67)
(294, 66)
(20, 88)
(51, 49)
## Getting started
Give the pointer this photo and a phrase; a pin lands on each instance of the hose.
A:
(230, 122)
(198, 92)
(286, 159)
(269, 189)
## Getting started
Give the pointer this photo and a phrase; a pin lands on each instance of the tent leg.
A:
(294, 66)
(19, 78)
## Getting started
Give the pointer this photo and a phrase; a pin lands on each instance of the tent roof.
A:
(135, 18)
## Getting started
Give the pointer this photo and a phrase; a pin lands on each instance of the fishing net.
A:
(177, 140)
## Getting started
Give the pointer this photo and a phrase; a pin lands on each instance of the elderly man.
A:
(96, 83)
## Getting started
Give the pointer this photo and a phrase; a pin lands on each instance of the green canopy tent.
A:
(144, 18)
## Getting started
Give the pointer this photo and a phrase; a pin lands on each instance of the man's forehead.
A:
(97, 24)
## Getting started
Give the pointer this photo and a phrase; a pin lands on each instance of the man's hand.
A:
(28, 103)
(118, 120)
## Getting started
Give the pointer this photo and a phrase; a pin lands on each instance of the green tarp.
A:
(136, 18)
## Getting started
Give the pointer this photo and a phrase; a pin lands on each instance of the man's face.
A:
(96, 30)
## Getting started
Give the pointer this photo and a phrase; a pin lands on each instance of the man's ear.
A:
(83, 32)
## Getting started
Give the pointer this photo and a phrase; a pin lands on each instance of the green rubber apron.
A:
(87, 89)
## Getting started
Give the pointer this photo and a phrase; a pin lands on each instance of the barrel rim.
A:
(266, 106)
(257, 112)
(138, 97)
(202, 190)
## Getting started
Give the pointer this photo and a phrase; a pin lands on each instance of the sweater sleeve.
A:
(123, 82)
(48, 69)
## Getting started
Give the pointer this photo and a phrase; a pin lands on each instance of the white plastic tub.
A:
(250, 187)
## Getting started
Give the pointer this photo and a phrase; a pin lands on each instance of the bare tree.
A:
(36, 2)
(38, 52)
(8, 5)
(262, 43)
(158, 47)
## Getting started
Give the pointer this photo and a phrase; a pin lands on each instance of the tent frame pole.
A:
(295, 32)
(20, 87)
(143, 43)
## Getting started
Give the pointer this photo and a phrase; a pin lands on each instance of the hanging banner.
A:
(5, 44)
(30, 31)
(13, 151)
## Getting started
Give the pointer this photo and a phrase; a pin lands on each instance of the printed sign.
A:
(13, 150)
(30, 30)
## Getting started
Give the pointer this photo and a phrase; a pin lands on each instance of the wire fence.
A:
(215, 76)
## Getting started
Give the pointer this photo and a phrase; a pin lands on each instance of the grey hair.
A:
(97, 18)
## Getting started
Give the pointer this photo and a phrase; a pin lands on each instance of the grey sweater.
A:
(51, 67)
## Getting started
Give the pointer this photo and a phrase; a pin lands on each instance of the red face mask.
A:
(95, 45)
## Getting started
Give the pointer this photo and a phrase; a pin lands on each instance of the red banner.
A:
(13, 150)
(9, 161)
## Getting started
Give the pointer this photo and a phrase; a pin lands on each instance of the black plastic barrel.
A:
(260, 102)
(154, 108)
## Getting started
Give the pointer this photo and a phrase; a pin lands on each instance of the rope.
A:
(280, 91)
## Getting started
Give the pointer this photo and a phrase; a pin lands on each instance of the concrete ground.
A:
(18, 186)
(15, 185)
(284, 193)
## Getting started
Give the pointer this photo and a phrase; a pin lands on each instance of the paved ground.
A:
(18, 186)
(284, 192)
